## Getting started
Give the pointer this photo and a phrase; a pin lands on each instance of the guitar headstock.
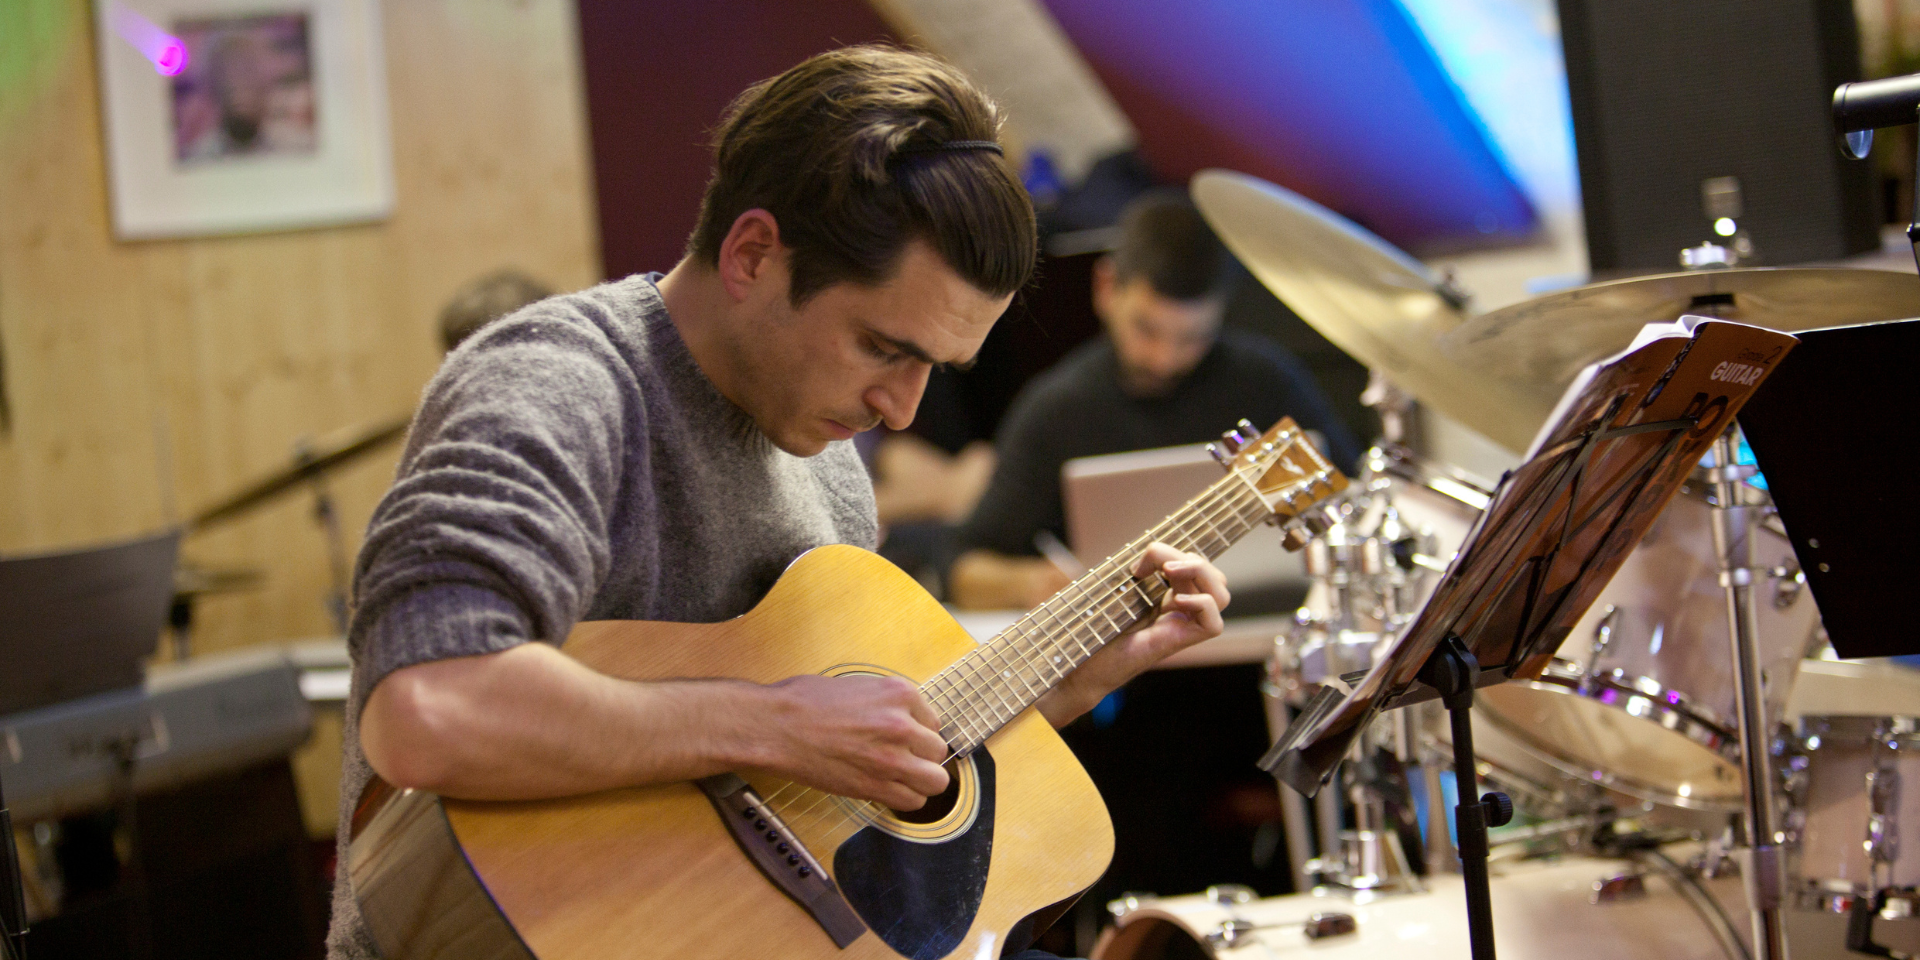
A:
(1289, 473)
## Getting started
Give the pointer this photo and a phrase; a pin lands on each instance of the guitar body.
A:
(653, 872)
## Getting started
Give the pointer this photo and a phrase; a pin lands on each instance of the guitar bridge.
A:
(780, 855)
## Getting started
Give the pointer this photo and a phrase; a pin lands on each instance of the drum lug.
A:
(1129, 902)
(1788, 582)
(1602, 635)
(1883, 803)
(1230, 932)
(1226, 894)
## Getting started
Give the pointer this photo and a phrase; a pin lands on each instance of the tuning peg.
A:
(1225, 457)
(1246, 428)
(1233, 439)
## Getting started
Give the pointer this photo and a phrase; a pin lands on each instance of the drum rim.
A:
(1672, 718)
(1858, 729)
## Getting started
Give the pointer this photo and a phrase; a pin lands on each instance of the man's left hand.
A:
(1188, 614)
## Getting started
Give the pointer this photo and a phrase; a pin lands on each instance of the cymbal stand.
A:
(329, 518)
(1762, 867)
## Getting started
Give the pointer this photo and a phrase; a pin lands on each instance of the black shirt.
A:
(1077, 409)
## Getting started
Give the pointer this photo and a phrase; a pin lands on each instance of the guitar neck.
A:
(984, 690)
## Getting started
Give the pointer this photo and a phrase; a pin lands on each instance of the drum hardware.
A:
(1370, 571)
(1319, 925)
(1852, 787)
(1762, 867)
(191, 582)
(312, 462)
(1621, 886)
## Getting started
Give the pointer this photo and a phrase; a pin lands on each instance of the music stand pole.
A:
(13, 905)
(1732, 530)
(1452, 671)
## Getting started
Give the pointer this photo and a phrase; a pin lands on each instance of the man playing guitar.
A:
(661, 447)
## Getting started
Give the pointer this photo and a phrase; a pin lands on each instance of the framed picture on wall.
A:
(235, 116)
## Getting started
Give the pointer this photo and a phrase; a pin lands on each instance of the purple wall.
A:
(659, 73)
(1342, 101)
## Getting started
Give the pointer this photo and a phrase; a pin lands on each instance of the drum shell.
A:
(1833, 806)
(1652, 710)
(1543, 910)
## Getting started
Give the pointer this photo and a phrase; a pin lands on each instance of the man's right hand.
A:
(872, 738)
(531, 722)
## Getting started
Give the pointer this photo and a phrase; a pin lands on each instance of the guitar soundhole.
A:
(937, 806)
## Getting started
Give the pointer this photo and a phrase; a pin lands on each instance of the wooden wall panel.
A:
(148, 380)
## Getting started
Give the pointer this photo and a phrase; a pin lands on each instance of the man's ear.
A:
(751, 254)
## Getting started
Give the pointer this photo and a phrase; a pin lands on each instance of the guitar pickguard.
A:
(920, 898)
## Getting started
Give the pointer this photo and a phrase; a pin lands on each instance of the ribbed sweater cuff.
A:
(436, 623)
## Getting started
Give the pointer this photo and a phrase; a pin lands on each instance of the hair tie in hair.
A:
(952, 146)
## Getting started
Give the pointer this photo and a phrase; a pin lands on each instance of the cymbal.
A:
(1369, 298)
(1536, 348)
(194, 580)
(307, 465)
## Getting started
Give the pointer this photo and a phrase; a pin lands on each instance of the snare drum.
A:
(1857, 808)
(1543, 909)
(1641, 697)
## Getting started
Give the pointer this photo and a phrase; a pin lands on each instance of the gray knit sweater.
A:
(570, 463)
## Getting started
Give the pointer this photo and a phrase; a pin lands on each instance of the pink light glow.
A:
(168, 54)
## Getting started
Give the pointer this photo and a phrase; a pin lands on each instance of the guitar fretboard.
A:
(984, 690)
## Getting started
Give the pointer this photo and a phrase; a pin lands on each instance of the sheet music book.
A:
(1621, 441)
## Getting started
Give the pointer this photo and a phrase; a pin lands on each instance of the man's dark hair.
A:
(1165, 240)
(842, 150)
(485, 300)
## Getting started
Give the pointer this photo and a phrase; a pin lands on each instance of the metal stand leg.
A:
(13, 908)
(1762, 867)
(1452, 670)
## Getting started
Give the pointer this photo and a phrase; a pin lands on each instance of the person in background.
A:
(1163, 373)
(484, 300)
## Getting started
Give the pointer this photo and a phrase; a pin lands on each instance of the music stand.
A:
(1830, 430)
(1623, 439)
(81, 622)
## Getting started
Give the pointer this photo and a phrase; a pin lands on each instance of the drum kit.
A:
(1625, 757)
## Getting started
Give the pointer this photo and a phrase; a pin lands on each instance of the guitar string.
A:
(828, 824)
(1197, 511)
(1203, 519)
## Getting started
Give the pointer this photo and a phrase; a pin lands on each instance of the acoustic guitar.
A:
(756, 867)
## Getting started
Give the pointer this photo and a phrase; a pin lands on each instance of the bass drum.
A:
(1543, 910)
(1641, 696)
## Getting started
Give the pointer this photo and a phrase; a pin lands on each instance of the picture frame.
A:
(238, 116)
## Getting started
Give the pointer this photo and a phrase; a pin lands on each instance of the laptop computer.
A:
(81, 622)
(1111, 499)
